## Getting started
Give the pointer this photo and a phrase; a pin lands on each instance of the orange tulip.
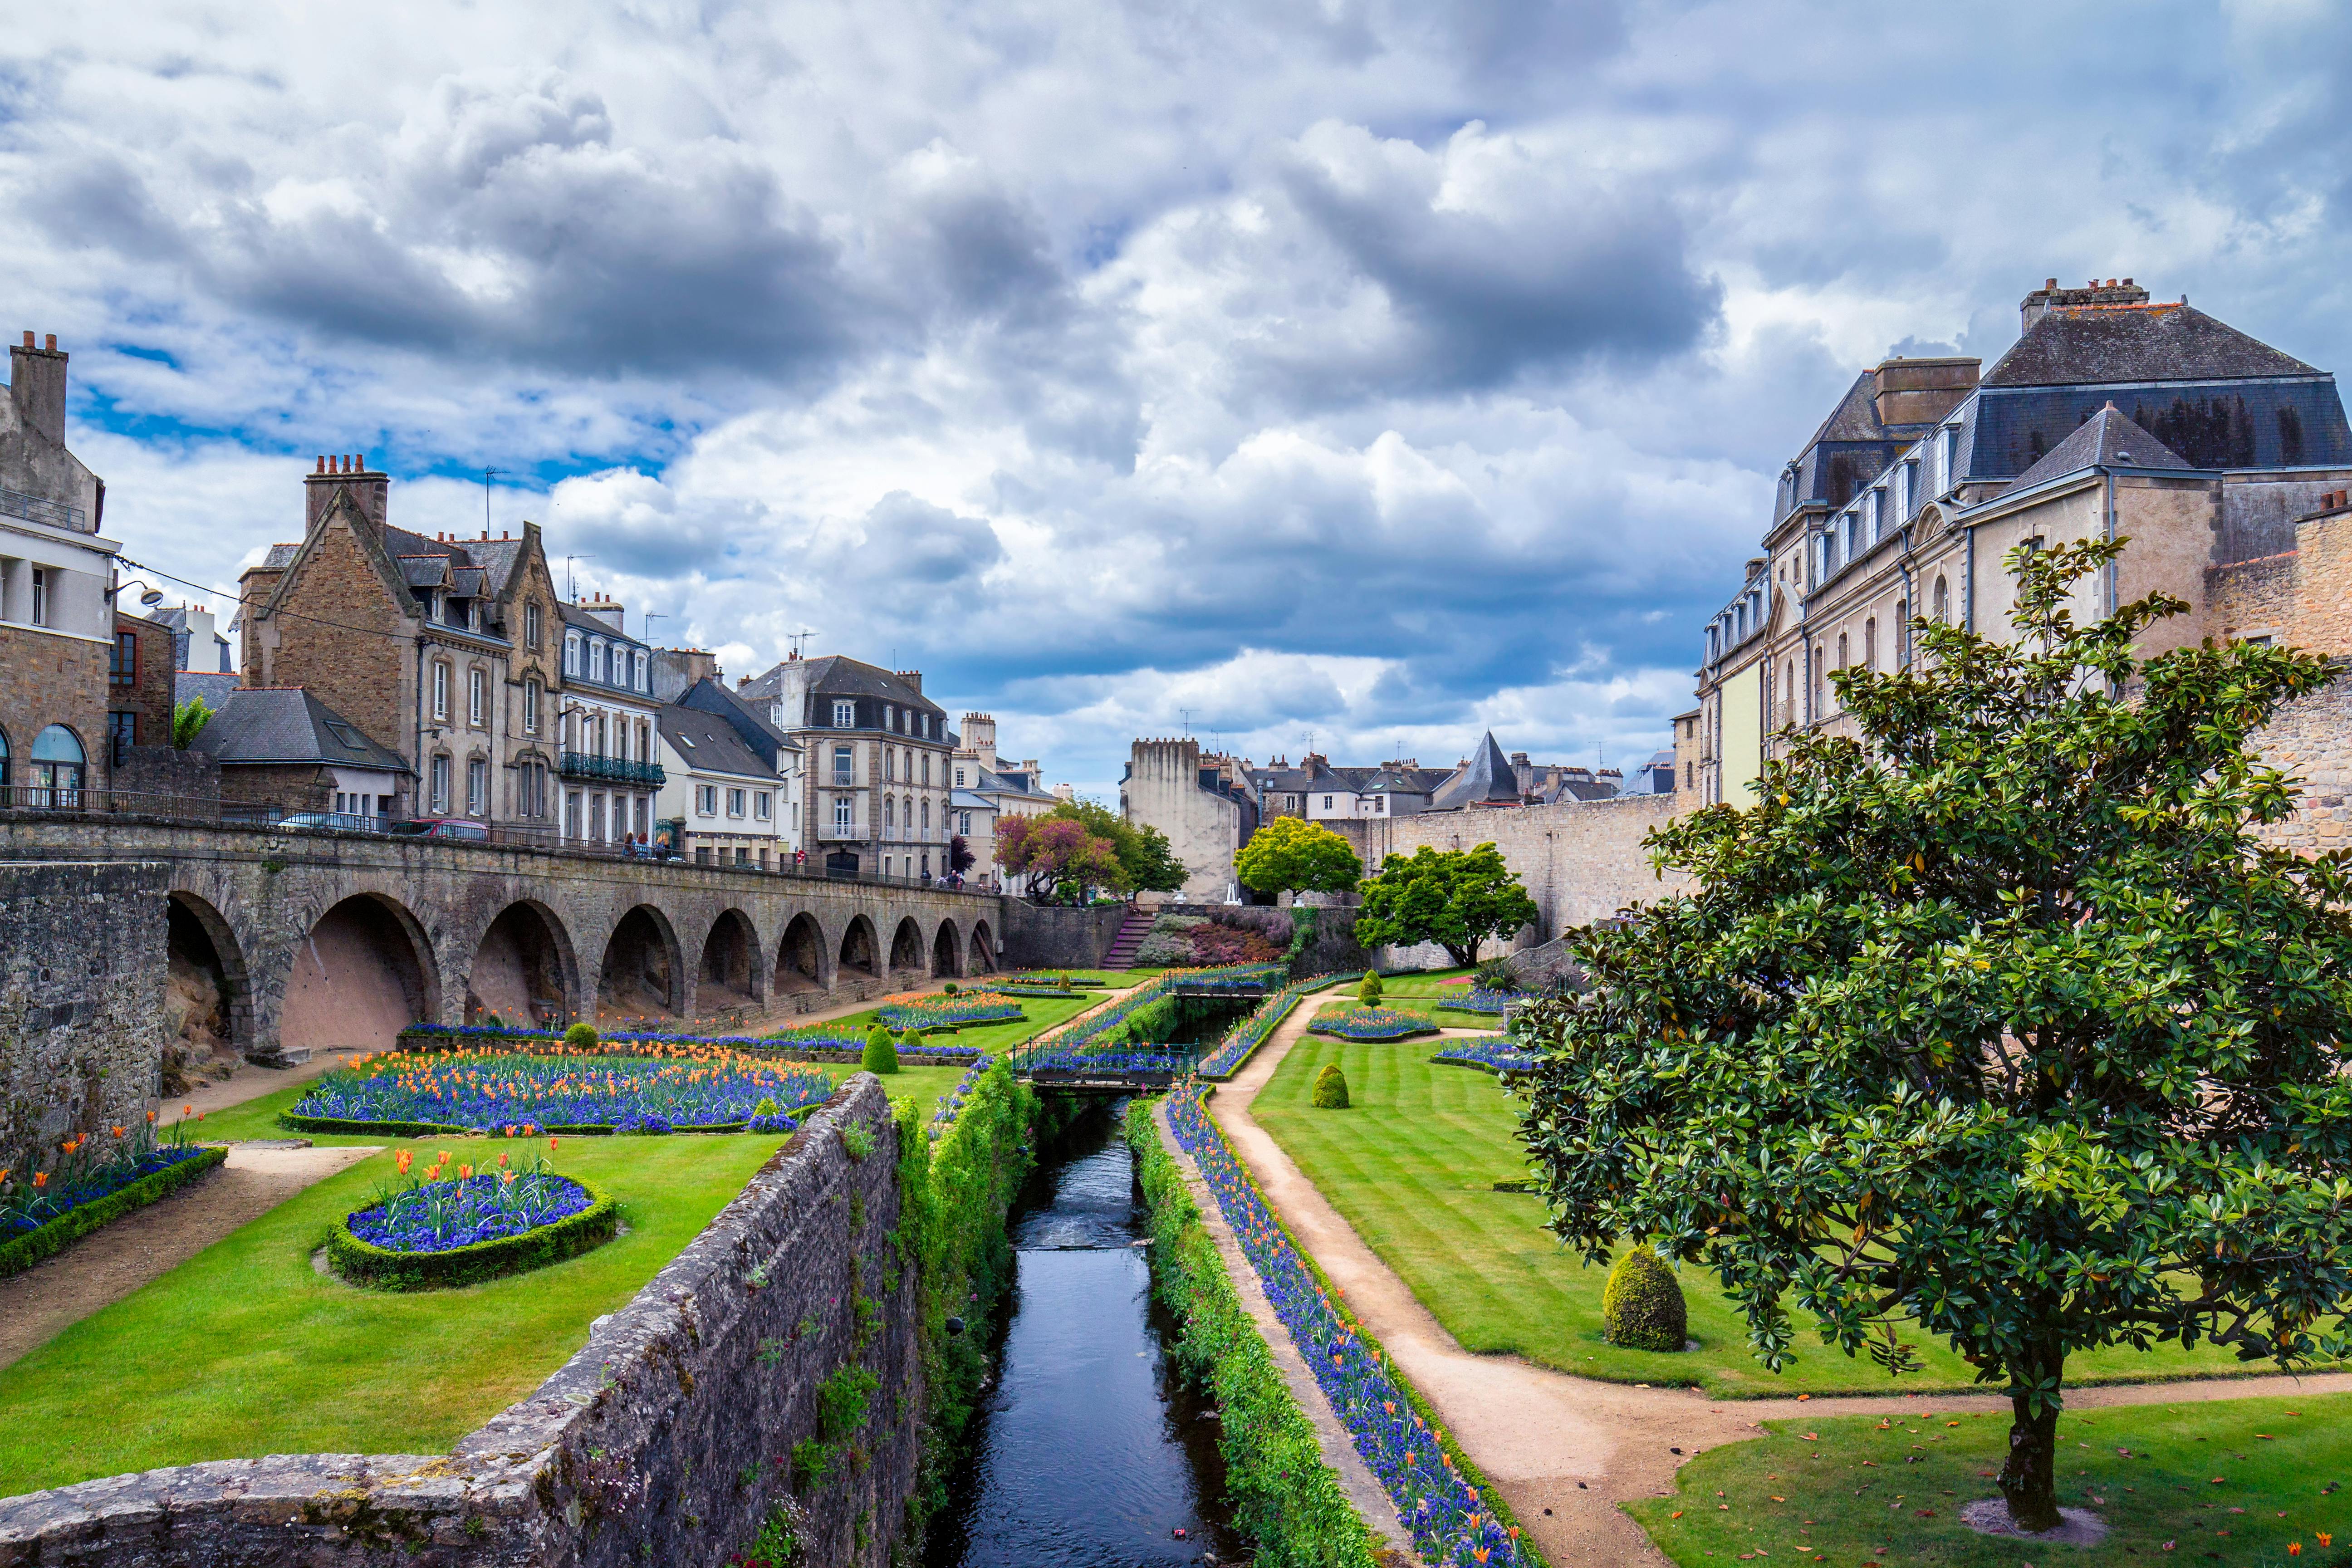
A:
(550, 1145)
(2326, 1539)
(465, 1173)
(40, 1179)
(4, 1175)
(151, 1118)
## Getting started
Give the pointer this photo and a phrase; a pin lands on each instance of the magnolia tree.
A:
(2000, 1024)
(1058, 855)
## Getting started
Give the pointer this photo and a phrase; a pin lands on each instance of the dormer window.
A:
(844, 715)
(571, 654)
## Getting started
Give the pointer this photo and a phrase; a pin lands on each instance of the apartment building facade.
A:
(611, 762)
(878, 756)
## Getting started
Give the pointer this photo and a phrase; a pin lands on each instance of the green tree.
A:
(2000, 1022)
(188, 721)
(1455, 897)
(1143, 852)
(1292, 854)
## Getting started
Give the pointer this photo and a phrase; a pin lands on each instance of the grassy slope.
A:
(1413, 1166)
(1851, 1493)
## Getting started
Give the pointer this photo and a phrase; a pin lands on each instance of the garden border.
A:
(46, 1241)
(375, 1268)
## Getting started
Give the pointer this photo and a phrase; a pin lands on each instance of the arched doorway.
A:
(907, 948)
(800, 957)
(980, 957)
(363, 974)
(859, 950)
(640, 976)
(207, 1000)
(730, 965)
(947, 952)
(524, 972)
(59, 771)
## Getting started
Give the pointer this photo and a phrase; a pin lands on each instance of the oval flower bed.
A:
(678, 1089)
(1488, 1053)
(1371, 1023)
(443, 1230)
(924, 1011)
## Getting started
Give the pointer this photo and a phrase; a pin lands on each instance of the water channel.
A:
(1089, 1451)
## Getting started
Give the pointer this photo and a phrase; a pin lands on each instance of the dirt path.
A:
(111, 1263)
(1565, 1450)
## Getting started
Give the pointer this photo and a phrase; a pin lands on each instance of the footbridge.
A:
(300, 939)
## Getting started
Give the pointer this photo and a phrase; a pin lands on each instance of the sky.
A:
(1348, 373)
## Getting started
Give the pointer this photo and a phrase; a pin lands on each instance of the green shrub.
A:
(364, 1263)
(22, 1252)
(581, 1037)
(1330, 1089)
(881, 1055)
(1495, 974)
(767, 1106)
(951, 988)
(1369, 993)
(1641, 1304)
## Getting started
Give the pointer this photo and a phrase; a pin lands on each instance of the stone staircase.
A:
(1131, 932)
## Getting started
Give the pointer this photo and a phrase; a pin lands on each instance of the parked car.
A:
(333, 821)
(442, 828)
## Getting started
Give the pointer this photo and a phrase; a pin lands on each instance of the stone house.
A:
(282, 746)
(720, 804)
(57, 616)
(779, 752)
(878, 759)
(139, 673)
(443, 651)
(610, 763)
(986, 790)
(2110, 417)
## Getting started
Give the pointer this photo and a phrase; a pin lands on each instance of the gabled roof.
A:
(712, 696)
(704, 742)
(425, 571)
(2106, 438)
(287, 724)
(836, 675)
(2094, 345)
(212, 686)
(1487, 778)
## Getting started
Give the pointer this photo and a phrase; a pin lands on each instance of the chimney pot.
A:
(28, 337)
(51, 344)
(2127, 282)
(2052, 284)
(362, 461)
(320, 467)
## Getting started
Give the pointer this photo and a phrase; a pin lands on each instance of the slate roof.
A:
(1487, 778)
(2105, 438)
(964, 800)
(214, 688)
(281, 557)
(706, 743)
(2079, 344)
(837, 675)
(575, 616)
(287, 724)
(710, 696)
(1855, 419)
(423, 570)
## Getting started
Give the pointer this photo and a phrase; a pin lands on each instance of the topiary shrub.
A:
(1642, 1305)
(881, 1055)
(1330, 1089)
(1369, 993)
(581, 1037)
(951, 988)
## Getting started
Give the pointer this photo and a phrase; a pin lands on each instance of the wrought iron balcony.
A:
(583, 765)
(843, 832)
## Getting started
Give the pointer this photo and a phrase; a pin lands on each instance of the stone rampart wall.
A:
(2312, 739)
(665, 1440)
(1049, 938)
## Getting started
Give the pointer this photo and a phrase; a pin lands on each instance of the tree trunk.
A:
(2027, 1478)
(1463, 958)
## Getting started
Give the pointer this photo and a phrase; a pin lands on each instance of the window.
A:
(572, 813)
(41, 586)
(1327, 803)
(742, 856)
(122, 660)
(706, 800)
(702, 854)
(844, 715)
(478, 787)
(530, 624)
(841, 765)
(478, 696)
(762, 804)
(959, 778)
(571, 654)
(638, 661)
(1870, 642)
(889, 765)
(1943, 600)
(963, 822)
(440, 785)
(58, 768)
(842, 808)
(596, 660)
(889, 812)
(1819, 684)
(734, 802)
(531, 707)
(1949, 460)
(927, 816)
(926, 767)
(440, 691)
(121, 730)
(889, 717)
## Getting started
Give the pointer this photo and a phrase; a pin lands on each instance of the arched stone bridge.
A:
(308, 940)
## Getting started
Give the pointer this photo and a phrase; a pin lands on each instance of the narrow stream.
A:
(1089, 1451)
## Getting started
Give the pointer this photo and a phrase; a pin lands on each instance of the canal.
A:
(1089, 1451)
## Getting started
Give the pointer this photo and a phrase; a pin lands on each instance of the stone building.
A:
(610, 759)
(2111, 416)
(987, 789)
(878, 758)
(720, 804)
(443, 651)
(139, 671)
(1204, 803)
(57, 617)
(282, 746)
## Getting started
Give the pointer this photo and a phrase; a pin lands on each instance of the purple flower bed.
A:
(441, 1216)
(1496, 1053)
(1480, 1001)
(1251, 1033)
(1452, 1523)
(951, 1103)
(1372, 1024)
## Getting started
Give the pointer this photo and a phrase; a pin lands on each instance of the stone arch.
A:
(801, 957)
(947, 951)
(207, 995)
(644, 971)
(731, 975)
(525, 968)
(859, 950)
(907, 946)
(362, 972)
(980, 954)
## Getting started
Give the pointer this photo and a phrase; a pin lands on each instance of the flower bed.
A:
(1242, 1040)
(1456, 1520)
(443, 1230)
(927, 1011)
(1116, 1063)
(805, 1042)
(1488, 1053)
(1034, 991)
(43, 1214)
(1060, 980)
(951, 1103)
(679, 1087)
(1480, 1001)
(1371, 1023)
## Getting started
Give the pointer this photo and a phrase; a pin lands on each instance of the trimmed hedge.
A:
(1642, 1305)
(363, 1263)
(70, 1227)
(1285, 1498)
(347, 1128)
(1330, 1089)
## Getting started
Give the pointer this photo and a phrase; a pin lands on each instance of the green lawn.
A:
(1413, 1167)
(1423, 985)
(246, 1349)
(2235, 1483)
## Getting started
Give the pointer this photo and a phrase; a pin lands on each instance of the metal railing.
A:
(842, 832)
(40, 509)
(587, 766)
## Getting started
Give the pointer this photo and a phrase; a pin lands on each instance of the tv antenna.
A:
(798, 639)
(567, 575)
(488, 475)
(1186, 714)
(650, 617)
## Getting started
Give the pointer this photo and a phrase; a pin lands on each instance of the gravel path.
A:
(1565, 1450)
(111, 1262)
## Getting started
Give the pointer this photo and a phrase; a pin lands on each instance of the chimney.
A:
(913, 678)
(369, 490)
(36, 384)
(2050, 297)
(605, 609)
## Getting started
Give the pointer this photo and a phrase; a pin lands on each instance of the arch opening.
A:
(907, 948)
(947, 952)
(523, 972)
(800, 957)
(363, 974)
(207, 1000)
(981, 956)
(639, 978)
(859, 949)
(729, 974)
